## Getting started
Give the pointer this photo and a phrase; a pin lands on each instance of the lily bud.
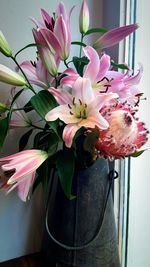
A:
(84, 18)
(11, 77)
(114, 36)
(48, 60)
(3, 108)
(4, 46)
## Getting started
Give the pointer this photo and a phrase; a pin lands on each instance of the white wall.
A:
(139, 214)
(21, 224)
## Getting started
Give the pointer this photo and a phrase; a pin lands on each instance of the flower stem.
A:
(29, 84)
(81, 46)
(37, 127)
(65, 62)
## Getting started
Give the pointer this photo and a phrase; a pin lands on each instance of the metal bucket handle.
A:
(112, 175)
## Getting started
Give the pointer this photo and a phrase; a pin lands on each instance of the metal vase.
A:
(82, 231)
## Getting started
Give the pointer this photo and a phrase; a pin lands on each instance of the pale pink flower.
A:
(103, 79)
(48, 57)
(79, 109)
(84, 17)
(114, 36)
(36, 73)
(125, 135)
(19, 170)
(57, 33)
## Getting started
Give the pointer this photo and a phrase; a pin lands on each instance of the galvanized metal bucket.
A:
(82, 231)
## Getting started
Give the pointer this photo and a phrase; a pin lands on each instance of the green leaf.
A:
(38, 180)
(90, 140)
(17, 95)
(65, 164)
(79, 64)
(78, 43)
(137, 153)
(3, 130)
(103, 30)
(43, 102)
(27, 46)
(43, 173)
(119, 66)
(24, 140)
(47, 142)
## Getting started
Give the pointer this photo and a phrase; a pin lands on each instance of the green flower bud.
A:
(4, 46)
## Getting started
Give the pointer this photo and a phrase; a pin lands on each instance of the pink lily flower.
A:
(79, 109)
(49, 59)
(37, 74)
(103, 79)
(57, 33)
(114, 36)
(21, 168)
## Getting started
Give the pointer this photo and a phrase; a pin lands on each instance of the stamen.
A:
(80, 102)
(71, 113)
(69, 106)
(73, 101)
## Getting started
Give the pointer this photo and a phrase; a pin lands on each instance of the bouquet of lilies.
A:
(86, 111)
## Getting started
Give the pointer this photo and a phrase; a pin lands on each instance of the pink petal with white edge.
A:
(92, 68)
(63, 113)
(62, 97)
(69, 81)
(28, 168)
(51, 40)
(46, 17)
(61, 33)
(38, 23)
(100, 101)
(104, 67)
(25, 185)
(83, 90)
(71, 72)
(23, 154)
(134, 79)
(61, 11)
(95, 120)
(69, 133)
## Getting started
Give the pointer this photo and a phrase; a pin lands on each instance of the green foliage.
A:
(90, 141)
(43, 102)
(65, 164)
(78, 43)
(93, 30)
(43, 175)
(119, 66)
(24, 139)
(80, 63)
(3, 130)
(137, 153)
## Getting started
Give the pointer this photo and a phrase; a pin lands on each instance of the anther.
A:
(69, 106)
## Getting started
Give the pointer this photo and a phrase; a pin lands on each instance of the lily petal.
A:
(69, 133)
(62, 97)
(92, 68)
(63, 113)
(82, 90)
(25, 185)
